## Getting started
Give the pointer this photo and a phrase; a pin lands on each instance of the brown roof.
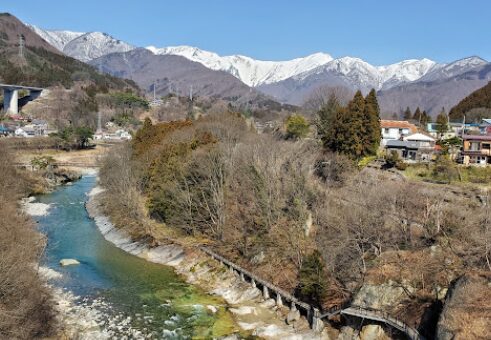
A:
(477, 137)
(399, 124)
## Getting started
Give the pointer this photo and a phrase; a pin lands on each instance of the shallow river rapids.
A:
(115, 294)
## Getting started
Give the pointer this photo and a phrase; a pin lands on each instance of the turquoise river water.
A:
(134, 298)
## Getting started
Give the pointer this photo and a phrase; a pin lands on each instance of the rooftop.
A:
(398, 124)
(477, 137)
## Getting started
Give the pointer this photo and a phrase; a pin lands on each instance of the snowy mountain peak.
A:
(251, 71)
(57, 39)
(82, 46)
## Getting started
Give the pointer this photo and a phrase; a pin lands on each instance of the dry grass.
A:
(25, 305)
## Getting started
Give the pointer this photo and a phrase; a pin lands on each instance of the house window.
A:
(486, 146)
(400, 131)
(475, 146)
(386, 130)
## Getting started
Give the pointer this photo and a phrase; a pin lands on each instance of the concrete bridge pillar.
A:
(279, 301)
(265, 293)
(242, 278)
(293, 307)
(317, 325)
(253, 283)
(11, 101)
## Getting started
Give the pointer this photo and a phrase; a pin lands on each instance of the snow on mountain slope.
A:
(57, 39)
(444, 71)
(82, 46)
(94, 45)
(252, 72)
(362, 74)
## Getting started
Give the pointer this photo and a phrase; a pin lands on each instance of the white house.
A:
(396, 130)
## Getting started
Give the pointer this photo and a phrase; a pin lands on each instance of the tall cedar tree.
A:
(442, 123)
(326, 121)
(371, 121)
(312, 279)
(425, 119)
(355, 129)
(407, 114)
(417, 115)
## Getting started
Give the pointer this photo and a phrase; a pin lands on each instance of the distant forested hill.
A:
(42, 65)
(478, 103)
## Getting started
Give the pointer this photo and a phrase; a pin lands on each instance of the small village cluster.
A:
(25, 127)
(412, 145)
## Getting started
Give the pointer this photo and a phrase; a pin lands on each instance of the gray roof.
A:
(394, 143)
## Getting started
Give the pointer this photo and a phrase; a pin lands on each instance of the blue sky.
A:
(378, 31)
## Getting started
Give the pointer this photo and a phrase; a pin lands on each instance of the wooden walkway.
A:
(313, 314)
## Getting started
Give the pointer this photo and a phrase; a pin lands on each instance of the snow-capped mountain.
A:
(252, 72)
(364, 75)
(57, 39)
(258, 72)
(453, 69)
(83, 46)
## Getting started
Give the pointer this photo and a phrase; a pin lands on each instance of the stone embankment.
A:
(253, 310)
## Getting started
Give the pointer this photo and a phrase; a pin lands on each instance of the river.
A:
(133, 298)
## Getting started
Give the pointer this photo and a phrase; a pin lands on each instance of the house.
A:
(396, 130)
(416, 147)
(432, 129)
(485, 126)
(476, 149)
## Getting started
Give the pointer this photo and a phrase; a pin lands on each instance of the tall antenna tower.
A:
(22, 43)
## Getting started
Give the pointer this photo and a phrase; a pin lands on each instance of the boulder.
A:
(69, 262)
(373, 332)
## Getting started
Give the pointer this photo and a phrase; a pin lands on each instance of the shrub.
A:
(297, 127)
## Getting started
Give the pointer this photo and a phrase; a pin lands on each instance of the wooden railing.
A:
(313, 314)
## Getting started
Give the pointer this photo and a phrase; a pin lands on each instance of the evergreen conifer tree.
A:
(327, 120)
(371, 120)
(417, 115)
(354, 126)
(407, 114)
(312, 279)
(442, 123)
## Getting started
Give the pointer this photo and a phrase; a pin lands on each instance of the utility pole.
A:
(22, 42)
(191, 93)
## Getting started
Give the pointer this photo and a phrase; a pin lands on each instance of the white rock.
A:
(68, 262)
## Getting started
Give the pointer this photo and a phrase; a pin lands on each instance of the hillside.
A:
(42, 64)
(476, 100)
(174, 74)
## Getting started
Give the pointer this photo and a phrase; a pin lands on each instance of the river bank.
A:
(251, 312)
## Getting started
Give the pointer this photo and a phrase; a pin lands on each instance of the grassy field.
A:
(449, 173)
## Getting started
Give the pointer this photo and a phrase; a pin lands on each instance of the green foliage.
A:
(42, 162)
(326, 121)
(45, 68)
(417, 115)
(124, 118)
(442, 123)
(76, 137)
(353, 130)
(297, 127)
(477, 99)
(407, 114)
(129, 100)
(371, 124)
(312, 279)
